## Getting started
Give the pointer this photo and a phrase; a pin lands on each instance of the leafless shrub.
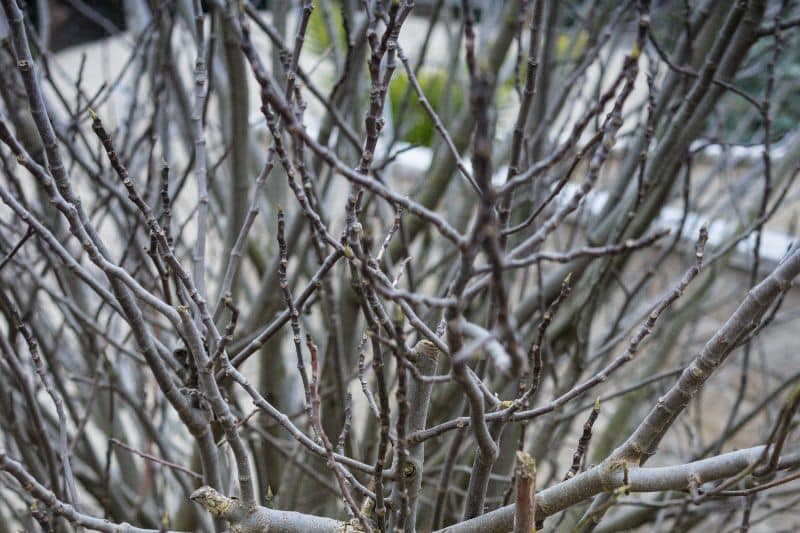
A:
(359, 266)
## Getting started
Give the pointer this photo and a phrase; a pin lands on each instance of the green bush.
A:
(416, 126)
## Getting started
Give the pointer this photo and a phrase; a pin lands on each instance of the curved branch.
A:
(611, 475)
(259, 519)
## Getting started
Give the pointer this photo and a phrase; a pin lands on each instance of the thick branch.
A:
(611, 475)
